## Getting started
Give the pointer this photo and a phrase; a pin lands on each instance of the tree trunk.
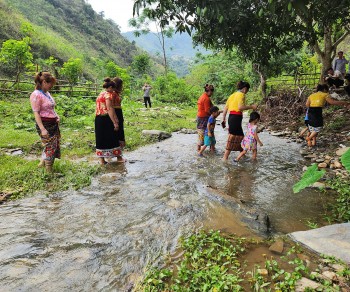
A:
(262, 76)
(329, 50)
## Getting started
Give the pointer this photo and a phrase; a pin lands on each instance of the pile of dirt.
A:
(285, 109)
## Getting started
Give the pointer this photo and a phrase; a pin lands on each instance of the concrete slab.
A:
(333, 240)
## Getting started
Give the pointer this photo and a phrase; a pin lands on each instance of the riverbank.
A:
(20, 146)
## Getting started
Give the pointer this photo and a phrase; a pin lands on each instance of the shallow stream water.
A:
(101, 238)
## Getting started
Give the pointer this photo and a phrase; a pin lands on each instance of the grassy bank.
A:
(20, 176)
(211, 261)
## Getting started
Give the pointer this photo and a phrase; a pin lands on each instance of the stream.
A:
(102, 237)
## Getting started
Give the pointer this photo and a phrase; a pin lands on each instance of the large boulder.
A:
(160, 135)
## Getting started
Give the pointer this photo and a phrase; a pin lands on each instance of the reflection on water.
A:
(102, 237)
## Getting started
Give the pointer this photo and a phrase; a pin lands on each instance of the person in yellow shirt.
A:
(315, 103)
(235, 106)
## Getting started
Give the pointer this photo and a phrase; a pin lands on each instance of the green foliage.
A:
(336, 124)
(310, 176)
(345, 160)
(339, 211)
(210, 263)
(223, 70)
(171, 89)
(261, 30)
(65, 29)
(21, 177)
(17, 56)
(72, 70)
(17, 130)
(141, 64)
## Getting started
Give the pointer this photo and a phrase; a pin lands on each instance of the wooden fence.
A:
(296, 81)
(80, 89)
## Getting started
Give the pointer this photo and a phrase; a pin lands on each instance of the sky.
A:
(120, 11)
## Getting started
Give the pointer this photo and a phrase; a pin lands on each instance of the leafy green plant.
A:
(210, 263)
(345, 160)
(17, 56)
(339, 211)
(310, 176)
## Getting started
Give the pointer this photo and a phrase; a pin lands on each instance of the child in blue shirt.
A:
(306, 120)
(209, 137)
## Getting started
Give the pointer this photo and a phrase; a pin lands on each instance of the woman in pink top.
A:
(47, 120)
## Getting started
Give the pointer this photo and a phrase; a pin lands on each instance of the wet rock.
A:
(278, 134)
(341, 151)
(303, 152)
(15, 152)
(277, 247)
(304, 168)
(329, 275)
(322, 165)
(319, 160)
(337, 267)
(318, 185)
(304, 283)
(310, 156)
(262, 272)
(110, 177)
(337, 164)
(160, 135)
(188, 131)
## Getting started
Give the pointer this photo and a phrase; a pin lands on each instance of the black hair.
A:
(208, 87)
(241, 84)
(254, 116)
(320, 87)
(118, 84)
(213, 109)
(108, 83)
(43, 76)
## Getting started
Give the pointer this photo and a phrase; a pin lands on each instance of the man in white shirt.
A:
(339, 64)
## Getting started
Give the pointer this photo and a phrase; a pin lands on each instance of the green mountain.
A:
(179, 49)
(67, 29)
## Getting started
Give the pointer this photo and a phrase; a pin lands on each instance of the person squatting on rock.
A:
(47, 120)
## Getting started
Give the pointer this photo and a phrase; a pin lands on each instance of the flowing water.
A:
(101, 238)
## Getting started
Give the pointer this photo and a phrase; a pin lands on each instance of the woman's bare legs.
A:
(226, 155)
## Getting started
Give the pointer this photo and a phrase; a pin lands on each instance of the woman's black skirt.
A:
(106, 137)
(120, 133)
(235, 125)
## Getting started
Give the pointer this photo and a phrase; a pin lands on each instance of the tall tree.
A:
(261, 30)
(16, 56)
(163, 30)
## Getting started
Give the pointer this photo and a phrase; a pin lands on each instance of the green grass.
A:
(211, 261)
(20, 176)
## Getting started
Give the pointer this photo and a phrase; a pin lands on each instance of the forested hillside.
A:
(179, 48)
(66, 29)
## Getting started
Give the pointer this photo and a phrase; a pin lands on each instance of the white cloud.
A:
(120, 11)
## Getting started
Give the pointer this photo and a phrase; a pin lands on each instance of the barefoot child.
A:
(209, 138)
(306, 120)
(251, 138)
